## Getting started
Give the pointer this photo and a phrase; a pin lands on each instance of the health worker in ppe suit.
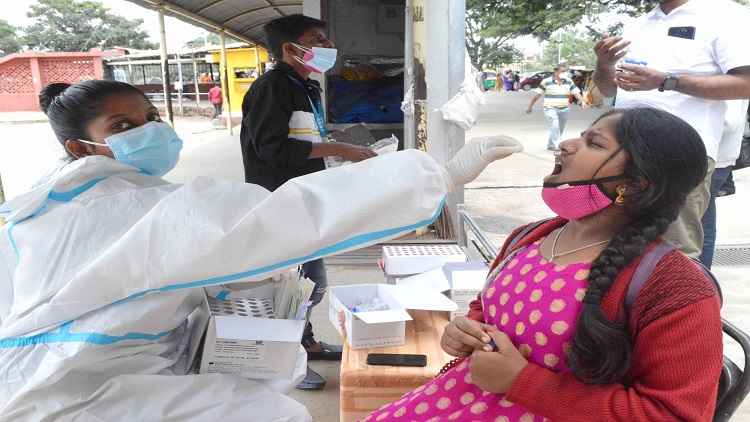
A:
(102, 263)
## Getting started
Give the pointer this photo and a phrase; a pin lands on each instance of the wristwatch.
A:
(669, 83)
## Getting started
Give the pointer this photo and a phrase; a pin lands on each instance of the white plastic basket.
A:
(415, 259)
(246, 307)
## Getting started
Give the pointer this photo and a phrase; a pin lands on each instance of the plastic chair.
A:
(734, 384)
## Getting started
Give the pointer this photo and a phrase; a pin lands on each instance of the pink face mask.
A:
(579, 199)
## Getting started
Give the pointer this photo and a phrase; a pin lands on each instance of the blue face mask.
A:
(317, 59)
(154, 148)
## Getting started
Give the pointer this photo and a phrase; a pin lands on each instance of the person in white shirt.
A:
(729, 150)
(685, 57)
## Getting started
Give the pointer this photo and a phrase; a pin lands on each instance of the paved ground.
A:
(505, 196)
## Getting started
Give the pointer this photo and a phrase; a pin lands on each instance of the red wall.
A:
(22, 76)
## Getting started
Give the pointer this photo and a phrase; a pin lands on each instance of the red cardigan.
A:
(676, 329)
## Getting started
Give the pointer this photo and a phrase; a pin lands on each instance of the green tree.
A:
(213, 39)
(503, 55)
(576, 49)
(9, 40)
(73, 25)
(490, 24)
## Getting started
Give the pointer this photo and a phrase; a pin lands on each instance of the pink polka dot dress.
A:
(536, 303)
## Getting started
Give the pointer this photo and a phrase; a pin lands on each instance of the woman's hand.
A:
(496, 371)
(463, 335)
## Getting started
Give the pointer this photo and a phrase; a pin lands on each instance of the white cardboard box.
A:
(416, 259)
(380, 328)
(253, 346)
(466, 282)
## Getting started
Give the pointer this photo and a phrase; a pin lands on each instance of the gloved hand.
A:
(476, 155)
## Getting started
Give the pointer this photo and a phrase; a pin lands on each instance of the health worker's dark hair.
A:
(70, 108)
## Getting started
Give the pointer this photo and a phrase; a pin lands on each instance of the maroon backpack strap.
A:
(647, 266)
(512, 246)
(525, 232)
(645, 269)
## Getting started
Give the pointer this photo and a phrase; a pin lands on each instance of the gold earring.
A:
(621, 190)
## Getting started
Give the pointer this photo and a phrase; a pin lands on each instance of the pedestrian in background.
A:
(556, 90)
(217, 100)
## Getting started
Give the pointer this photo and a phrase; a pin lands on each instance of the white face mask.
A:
(317, 59)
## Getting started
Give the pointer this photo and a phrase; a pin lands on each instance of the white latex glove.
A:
(476, 155)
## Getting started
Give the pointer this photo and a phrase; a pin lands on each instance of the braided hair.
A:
(666, 159)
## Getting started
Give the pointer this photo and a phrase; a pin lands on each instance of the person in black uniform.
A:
(284, 136)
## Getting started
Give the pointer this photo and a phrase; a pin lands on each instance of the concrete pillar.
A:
(444, 73)
(36, 77)
(98, 68)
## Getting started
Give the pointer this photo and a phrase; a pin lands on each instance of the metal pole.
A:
(410, 128)
(257, 60)
(461, 237)
(165, 67)
(225, 81)
(181, 84)
(195, 79)
(559, 48)
(2, 194)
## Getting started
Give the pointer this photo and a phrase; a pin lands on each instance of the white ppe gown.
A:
(101, 268)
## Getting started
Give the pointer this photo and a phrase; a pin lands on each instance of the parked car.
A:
(579, 77)
(534, 80)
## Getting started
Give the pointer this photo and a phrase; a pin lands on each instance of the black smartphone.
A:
(686, 32)
(393, 359)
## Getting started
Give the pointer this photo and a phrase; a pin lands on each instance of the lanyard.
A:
(320, 122)
(317, 109)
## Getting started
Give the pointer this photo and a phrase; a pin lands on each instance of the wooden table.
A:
(365, 388)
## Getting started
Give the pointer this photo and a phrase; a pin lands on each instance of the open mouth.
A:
(558, 165)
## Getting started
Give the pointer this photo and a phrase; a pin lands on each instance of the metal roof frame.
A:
(199, 16)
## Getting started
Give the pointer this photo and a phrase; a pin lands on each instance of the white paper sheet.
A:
(430, 280)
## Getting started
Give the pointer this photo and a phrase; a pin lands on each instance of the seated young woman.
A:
(550, 336)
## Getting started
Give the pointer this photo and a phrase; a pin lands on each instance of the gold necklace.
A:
(555, 255)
